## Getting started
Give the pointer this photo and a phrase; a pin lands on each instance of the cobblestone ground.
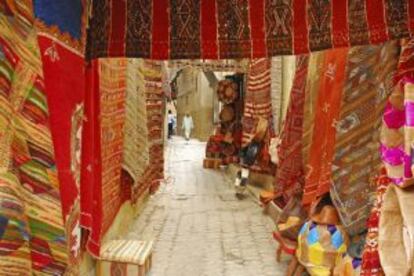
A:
(200, 227)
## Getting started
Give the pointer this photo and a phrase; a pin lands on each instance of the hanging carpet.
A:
(32, 234)
(357, 160)
(209, 29)
(63, 69)
(331, 83)
(102, 191)
(257, 104)
(289, 174)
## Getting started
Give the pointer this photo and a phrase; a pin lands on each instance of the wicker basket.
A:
(396, 231)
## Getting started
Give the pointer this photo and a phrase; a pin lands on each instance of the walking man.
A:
(187, 126)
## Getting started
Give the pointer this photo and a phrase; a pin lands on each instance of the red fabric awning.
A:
(213, 29)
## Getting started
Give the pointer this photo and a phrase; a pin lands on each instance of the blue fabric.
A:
(66, 14)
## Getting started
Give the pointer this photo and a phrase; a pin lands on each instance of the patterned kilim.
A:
(185, 28)
(257, 103)
(102, 149)
(155, 122)
(226, 65)
(63, 69)
(318, 170)
(357, 159)
(311, 95)
(406, 61)
(371, 265)
(112, 82)
(276, 92)
(178, 29)
(289, 174)
(135, 152)
(32, 235)
(64, 20)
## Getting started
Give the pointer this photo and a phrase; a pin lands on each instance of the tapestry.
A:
(331, 83)
(406, 61)
(32, 234)
(257, 104)
(319, 14)
(289, 174)
(63, 70)
(279, 31)
(185, 28)
(66, 14)
(358, 25)
(311, 95)
(180, 29)
(357, 160)
(138, 20)
(276, 92)
(371, 265)
(102, 149)
(155, 102)
(233, 28)
(21, 10)
(64, 19)
(221, 65)
(135, 149)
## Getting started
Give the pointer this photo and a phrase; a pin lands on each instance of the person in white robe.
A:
(187, 126)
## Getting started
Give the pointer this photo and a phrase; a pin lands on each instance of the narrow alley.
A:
(200, 227)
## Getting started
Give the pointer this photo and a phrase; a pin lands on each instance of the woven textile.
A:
(318, 170)
(311, 96)
(126, 251)
(257, 104)
(164, 29)
(357, 160)
(64, 20)
(32, 234)
(21, 10)
(289, 174)
(371, 265)
(112, 85)
(397, 132)
(135, 151)
(406, 61)
(154, 174)
(63, 69)
(226, 65)
(276, 92)
(102, 191)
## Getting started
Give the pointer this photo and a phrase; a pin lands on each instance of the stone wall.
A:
(196, 96)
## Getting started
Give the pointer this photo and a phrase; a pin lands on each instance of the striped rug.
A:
(289, 174)
(32, 235)
(257, 103)
(357, 160)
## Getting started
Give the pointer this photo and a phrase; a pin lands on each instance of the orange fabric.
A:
(318, 171)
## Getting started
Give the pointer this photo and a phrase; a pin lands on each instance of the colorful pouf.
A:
(321, 247)
(348, 266)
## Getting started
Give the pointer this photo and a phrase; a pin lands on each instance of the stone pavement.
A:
(200, 227)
